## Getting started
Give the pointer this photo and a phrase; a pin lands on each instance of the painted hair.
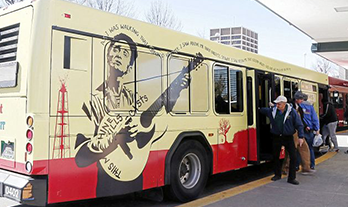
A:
(124, 38)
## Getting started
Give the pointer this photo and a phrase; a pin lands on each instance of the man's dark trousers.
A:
(288, 143)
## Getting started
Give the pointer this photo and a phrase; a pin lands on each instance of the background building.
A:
(238, 37)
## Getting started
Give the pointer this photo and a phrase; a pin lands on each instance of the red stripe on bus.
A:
(252, 144)
(39, 167)
(13, 166)
(153, 174)
(68, 182)
(230, 155)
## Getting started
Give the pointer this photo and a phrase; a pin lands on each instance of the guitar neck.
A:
(169, 97)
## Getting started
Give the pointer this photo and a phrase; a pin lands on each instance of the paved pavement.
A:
(328, 187)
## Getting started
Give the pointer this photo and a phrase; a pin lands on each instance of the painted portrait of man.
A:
(112, 132)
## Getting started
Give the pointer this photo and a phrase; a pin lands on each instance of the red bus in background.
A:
(339, 96)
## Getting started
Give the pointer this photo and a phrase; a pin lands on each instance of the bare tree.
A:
(161, 14)
(202, 33)
(220, 86)
(9, 2)
(323, 66)
(119, 7)
(82, 2)
(124, 8)
(105, 5)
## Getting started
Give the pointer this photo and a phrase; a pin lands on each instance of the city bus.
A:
(339, 97)
(93, 105)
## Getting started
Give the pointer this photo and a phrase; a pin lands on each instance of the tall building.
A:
(238, 37)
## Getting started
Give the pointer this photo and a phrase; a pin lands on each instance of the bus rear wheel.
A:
(189, 171)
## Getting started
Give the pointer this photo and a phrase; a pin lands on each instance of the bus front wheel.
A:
(188, 172)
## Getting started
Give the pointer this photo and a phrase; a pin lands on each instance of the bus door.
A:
(264, 94)
(230, 108)
(323, 95)
(253, 151)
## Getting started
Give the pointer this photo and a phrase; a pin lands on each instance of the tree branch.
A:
(160, 14)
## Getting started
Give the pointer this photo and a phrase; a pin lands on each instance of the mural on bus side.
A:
(121, 144)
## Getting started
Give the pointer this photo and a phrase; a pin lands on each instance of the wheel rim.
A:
(190, 170)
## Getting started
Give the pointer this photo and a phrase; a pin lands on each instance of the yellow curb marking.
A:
(243, 188)
(342, 132)
(325, 157)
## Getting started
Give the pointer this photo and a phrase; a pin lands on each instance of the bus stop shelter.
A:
(326, 22)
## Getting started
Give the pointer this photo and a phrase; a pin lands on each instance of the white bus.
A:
(93, 104)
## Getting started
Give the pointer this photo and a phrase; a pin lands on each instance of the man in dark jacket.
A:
(329, 121)
(284, 123)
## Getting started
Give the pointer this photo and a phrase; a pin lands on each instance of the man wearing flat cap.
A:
(284, 123)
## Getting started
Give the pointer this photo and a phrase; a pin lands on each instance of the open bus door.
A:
(324, 94)
(264, 95)
(260, 92)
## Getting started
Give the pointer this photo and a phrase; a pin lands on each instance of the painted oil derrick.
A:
(61, 144)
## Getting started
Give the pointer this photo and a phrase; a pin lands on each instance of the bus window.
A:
(287, 90)
(337, 99)
(8, 56)
(294, 88)
(221, 89)
(195, 99)
(199, 88)
(277, 86)
(148, 79)
(236, 90)
(9, 73)
(179, 104)
(228, 85)
(76, 53)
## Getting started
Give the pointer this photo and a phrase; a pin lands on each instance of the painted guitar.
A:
(127, 164)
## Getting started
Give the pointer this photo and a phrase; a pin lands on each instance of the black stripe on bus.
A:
(8, 51)
(12, 42)
(9, 27)
(8, 59)
(67, 52)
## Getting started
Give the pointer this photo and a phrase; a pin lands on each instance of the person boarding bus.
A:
(284, 123)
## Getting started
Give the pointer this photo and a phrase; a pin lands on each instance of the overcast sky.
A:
(277, 39)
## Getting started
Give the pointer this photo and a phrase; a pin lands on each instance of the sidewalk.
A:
(328, 187)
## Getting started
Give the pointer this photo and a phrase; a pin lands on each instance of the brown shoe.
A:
(308, 172)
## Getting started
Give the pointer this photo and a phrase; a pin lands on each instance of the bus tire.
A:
(188, 172)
